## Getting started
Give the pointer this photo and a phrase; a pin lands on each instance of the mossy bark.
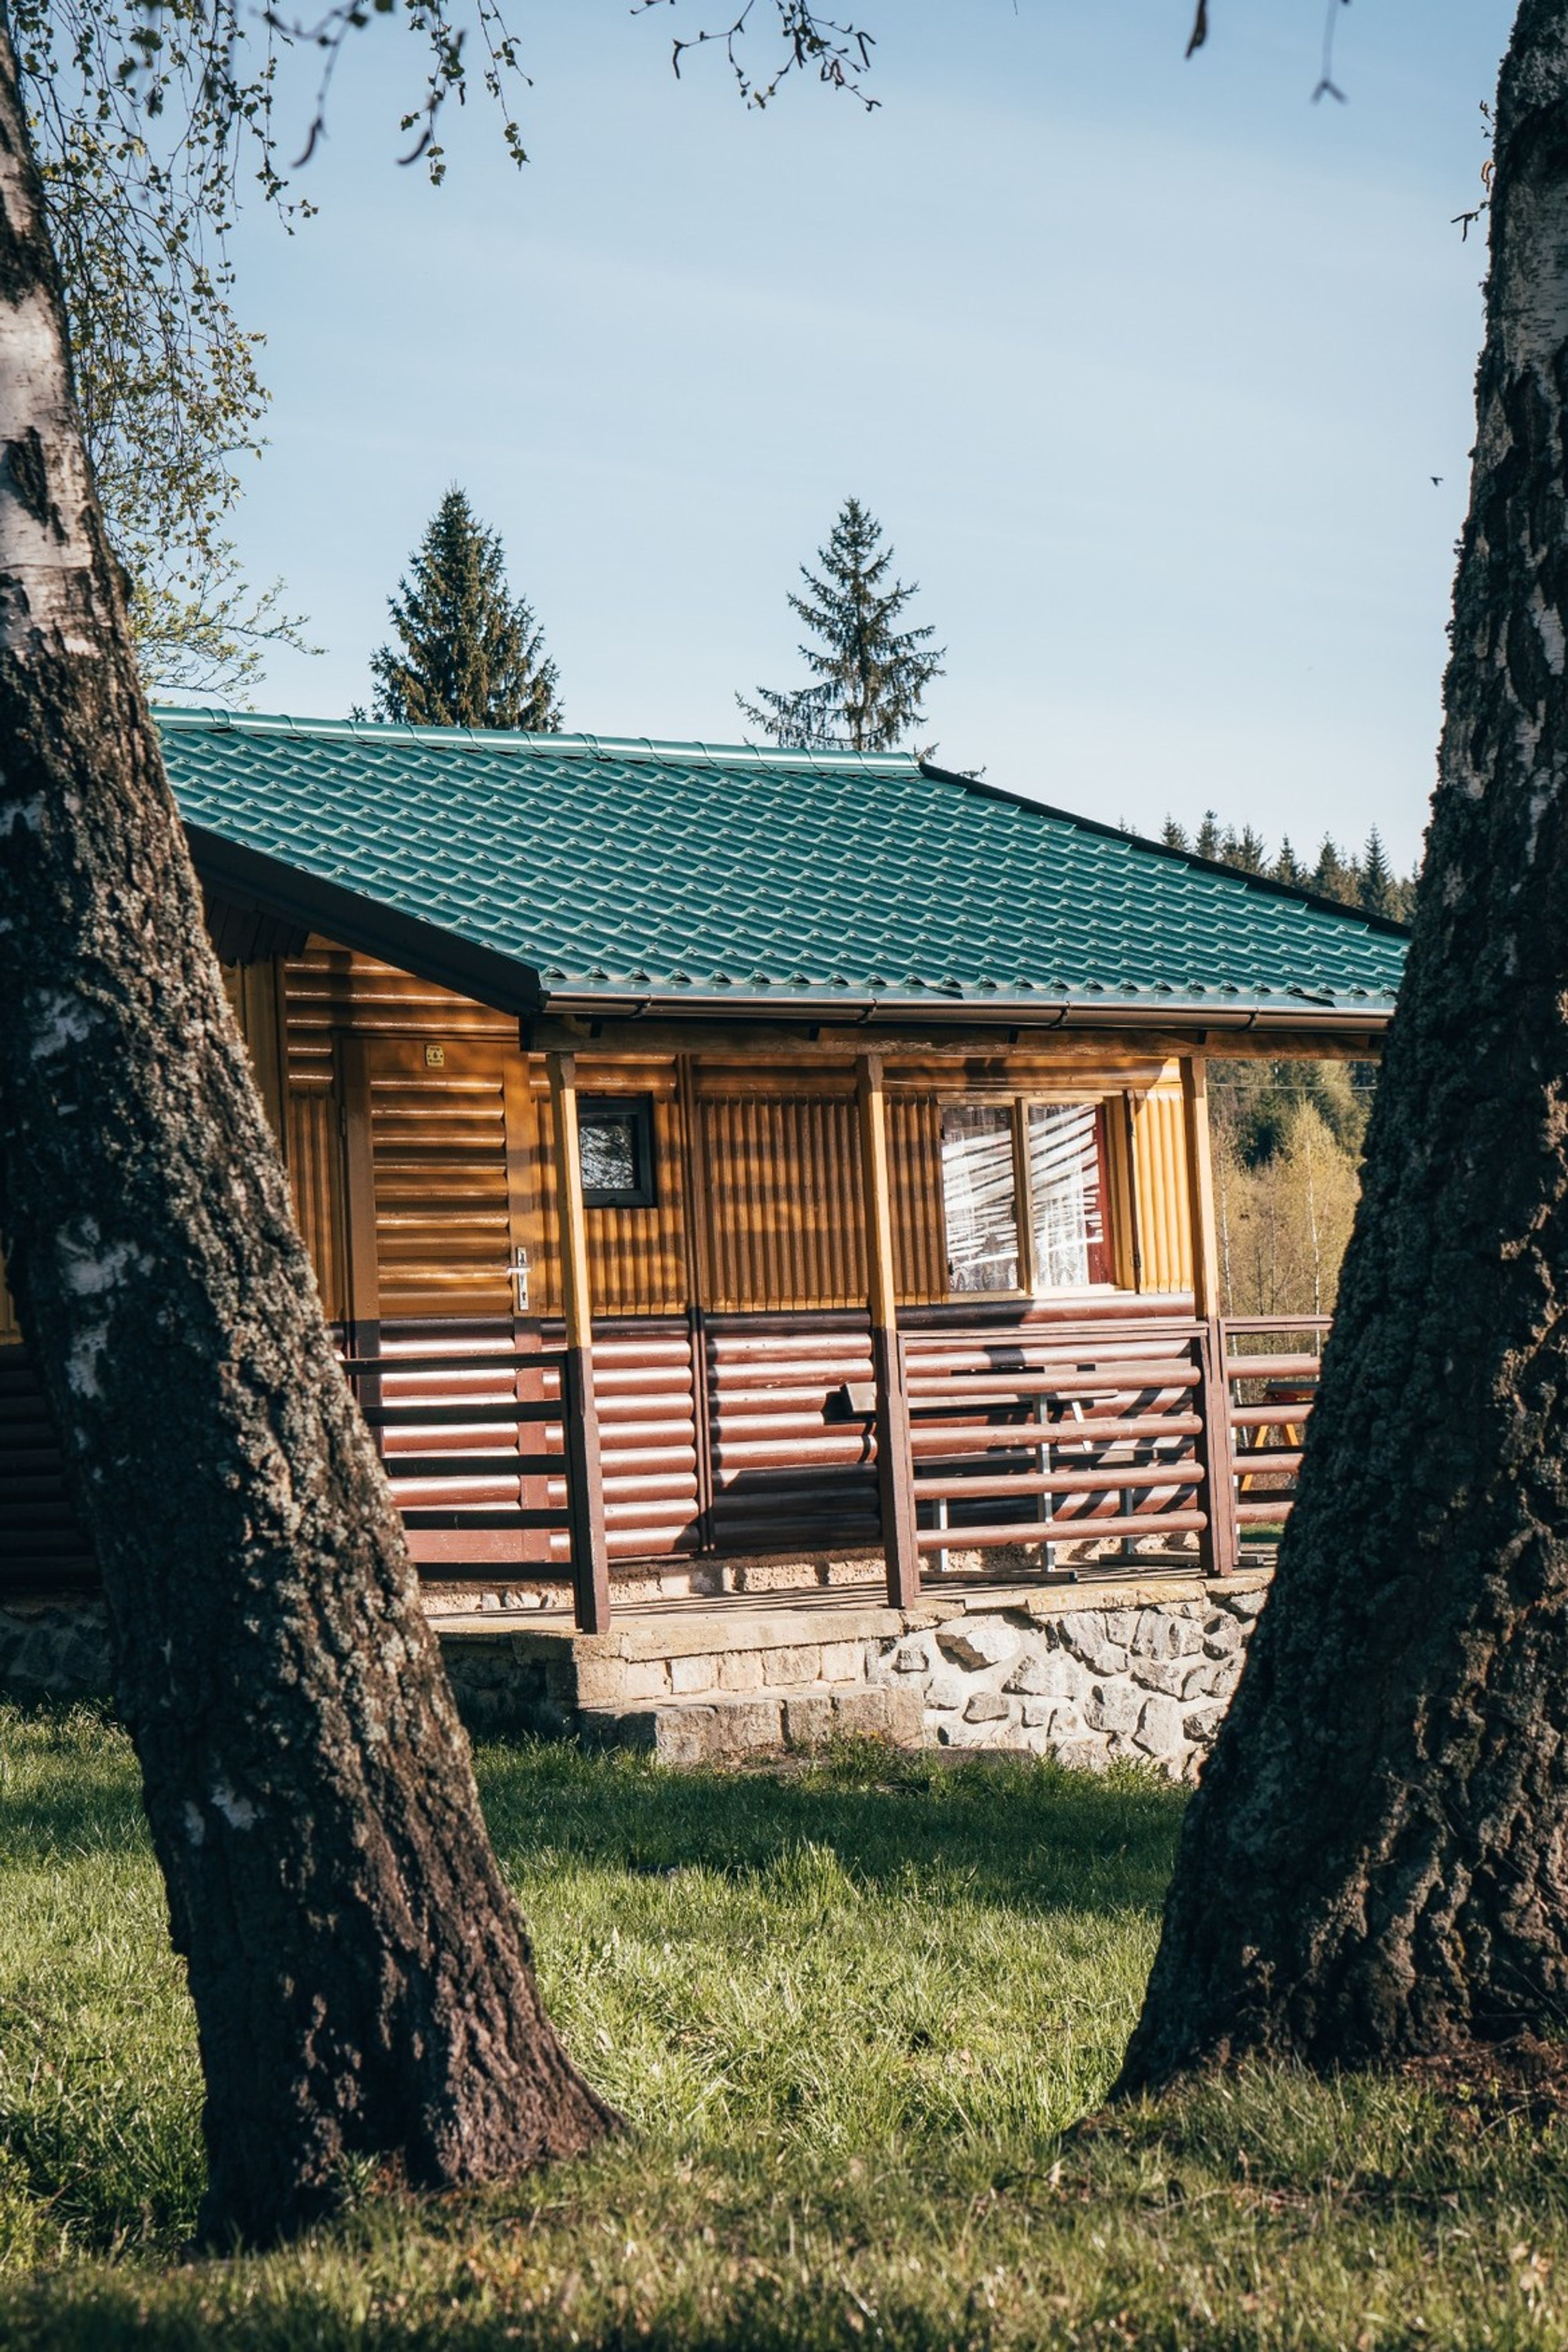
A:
(1376, 1864)
(361, 1979)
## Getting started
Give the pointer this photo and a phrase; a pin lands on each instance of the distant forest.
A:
(1288, 1134)
(1366, 881)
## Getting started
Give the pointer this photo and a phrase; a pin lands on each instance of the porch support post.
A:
(585, 1485)
(1220, 1546)
(895, 1469)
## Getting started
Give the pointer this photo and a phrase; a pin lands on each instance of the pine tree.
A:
(1375, 886)
(869, 676)
(1333, 877)
(1288, 866)
(1246, 850)
(1210, 841)
(472, 654)
(1174, 836)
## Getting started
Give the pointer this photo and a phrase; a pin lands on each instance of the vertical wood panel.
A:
(315, 1180)
(920, 1241)
(1160, 1182)
(785, 1224)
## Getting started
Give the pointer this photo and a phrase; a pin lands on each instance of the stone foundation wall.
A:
(1083, 1681)
(53, 1649)
(1139, 1671)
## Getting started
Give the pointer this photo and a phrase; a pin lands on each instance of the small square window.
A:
(614, 1135)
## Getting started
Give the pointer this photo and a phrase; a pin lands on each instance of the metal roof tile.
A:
(681, 867)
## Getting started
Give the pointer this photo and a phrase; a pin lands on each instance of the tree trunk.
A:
(1374, 1865)
(361, 1979)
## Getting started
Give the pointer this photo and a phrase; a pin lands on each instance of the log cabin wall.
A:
(420, 1151)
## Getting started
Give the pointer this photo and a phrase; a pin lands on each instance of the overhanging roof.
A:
(575, 873)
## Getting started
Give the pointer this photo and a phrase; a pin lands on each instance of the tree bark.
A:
(362, 1980)
(1376, 1864)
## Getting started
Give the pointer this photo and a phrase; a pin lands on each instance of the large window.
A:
(1052, 1152)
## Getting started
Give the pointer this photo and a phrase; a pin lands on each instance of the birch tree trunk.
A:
(361, 1979)
(1376, 1864)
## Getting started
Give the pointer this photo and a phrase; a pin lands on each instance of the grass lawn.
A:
(853, 2013)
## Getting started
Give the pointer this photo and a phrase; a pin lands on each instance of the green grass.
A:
(854, 2013)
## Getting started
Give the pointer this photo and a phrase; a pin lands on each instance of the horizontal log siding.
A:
(645, 1395)
(1164, 1230)
(442, 1224)
(41, 1546)
(786, 1474)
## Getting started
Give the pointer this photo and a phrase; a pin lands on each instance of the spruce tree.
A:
(1288, 866)
(1375, 887)
(472, 654)
(1173, 834)
(1210, 841)
(868, 677)
(1333, 877)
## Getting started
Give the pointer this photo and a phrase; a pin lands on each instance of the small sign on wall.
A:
(435, 1057)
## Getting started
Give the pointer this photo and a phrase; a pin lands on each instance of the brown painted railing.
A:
(1128, 1434)
(1270, 1388)
(1068, 1436)
(450, 1422)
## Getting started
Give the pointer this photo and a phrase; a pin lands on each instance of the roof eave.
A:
(349, 918)
(1002, 1012)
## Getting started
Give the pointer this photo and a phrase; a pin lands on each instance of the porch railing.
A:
(450, 1423)
(1152, 1437)
(1089, 1434)
(1270, 1387)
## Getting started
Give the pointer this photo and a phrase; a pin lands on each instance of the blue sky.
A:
(1146, 366)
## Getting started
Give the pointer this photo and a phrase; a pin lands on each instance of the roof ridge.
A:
(578, 744)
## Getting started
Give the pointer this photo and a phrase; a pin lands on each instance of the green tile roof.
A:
(582, 870)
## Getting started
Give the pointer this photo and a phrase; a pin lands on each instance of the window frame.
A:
(636, 1110)
(1019, 1101)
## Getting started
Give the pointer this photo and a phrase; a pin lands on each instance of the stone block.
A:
(750, 1723)
(1058, 1717)
(1081, 1755)
(905, 1725)
(1161, 1731)
(1201, 1723)
(808, 1722)
(946, 1691)
(914, 1656)
(1058, 1675)
(987, 1706)
(1084, 1634)
(842, 1662)
(699, 1673)
(685, 1735)
(741, 1670)
(1222, 1635)
(801, 1663)
(979, 1641)
(1120, 1625)
(645, 1678)
(602, 1681)
(1113, 1707)
(1246, 1605)
(1166, 1635)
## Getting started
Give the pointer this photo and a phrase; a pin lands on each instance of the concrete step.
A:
(793, 1719)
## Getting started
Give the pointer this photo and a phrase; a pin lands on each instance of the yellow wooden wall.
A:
(462, 1162)
(1160, 1186)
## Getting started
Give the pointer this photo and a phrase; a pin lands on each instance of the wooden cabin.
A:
(717, 1155)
